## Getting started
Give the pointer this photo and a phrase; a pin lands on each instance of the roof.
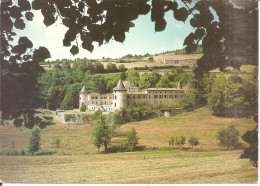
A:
(136, 93)
(83, 90)
(163, 89)
(179, 85)
(120, 86)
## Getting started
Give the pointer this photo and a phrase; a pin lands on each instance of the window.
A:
(115, 97)
(138, 96)
(160, 96)
(165, 92)
(160, 92)
(105, 97)
(96, 102)
(105, 103)
(133, 96)
(165, 96)
(79, 98)
(101, 97)
(96, 97)
(149, 92)
(92, 97)
(115, 104)
(155, 96)
(176, 96)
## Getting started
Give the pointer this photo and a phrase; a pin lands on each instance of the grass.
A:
(76, 159)
(177, 167)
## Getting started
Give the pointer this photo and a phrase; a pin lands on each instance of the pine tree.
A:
(35, 140)
(83, 108)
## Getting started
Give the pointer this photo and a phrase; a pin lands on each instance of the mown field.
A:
(158, 167)
(76, 159)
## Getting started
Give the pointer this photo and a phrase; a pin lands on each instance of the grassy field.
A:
(76, 159)
(158, 167)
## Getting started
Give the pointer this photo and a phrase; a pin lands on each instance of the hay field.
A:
(77, 161)
(160, 167)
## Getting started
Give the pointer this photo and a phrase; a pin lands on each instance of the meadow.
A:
(76, 159)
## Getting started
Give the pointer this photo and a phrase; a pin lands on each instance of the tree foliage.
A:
(193, 141)
(222, 37)
(228, 137)
(225, 96)
(131, 140)
(34, 145)
(83, 107)
(251, 137)
(102, 134)
(177, 141)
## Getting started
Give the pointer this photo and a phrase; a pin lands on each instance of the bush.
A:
(70, 117)
(177, 141)
(228, 137)
(83, 108)
(57, 143)
(22, 152)
(150, 59)
(45, 152)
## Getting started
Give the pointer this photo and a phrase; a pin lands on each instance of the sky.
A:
(140, 39)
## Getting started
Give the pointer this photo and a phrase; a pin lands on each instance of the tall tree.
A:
(102, 134)
(35, 139)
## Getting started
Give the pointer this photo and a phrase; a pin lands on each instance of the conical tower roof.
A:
(83, 90)
(120, 85)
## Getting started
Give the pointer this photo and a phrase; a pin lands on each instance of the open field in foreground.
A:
(158, 167)
(76, 159)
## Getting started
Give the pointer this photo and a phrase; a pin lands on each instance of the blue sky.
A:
(140, 39)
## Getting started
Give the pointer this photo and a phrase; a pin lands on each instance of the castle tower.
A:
(83, 96)
(119, 96)
(179, 85)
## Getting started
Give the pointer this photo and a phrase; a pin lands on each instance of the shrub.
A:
(228, 137)
(70, 117)
(83, 108)
(177, 141)
(150, 59)
(57, 143)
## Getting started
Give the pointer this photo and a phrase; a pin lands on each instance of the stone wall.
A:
(71, 118)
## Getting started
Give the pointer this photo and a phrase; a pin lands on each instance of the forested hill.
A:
(61, 84)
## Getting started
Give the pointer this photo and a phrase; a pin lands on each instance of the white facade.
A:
(125, 94)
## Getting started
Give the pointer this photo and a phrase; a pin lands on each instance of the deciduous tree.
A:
(228, 137)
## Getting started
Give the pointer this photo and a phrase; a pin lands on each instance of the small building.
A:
(126, 93)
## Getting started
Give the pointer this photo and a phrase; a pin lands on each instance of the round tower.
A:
(119, 96)
(83, 97)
